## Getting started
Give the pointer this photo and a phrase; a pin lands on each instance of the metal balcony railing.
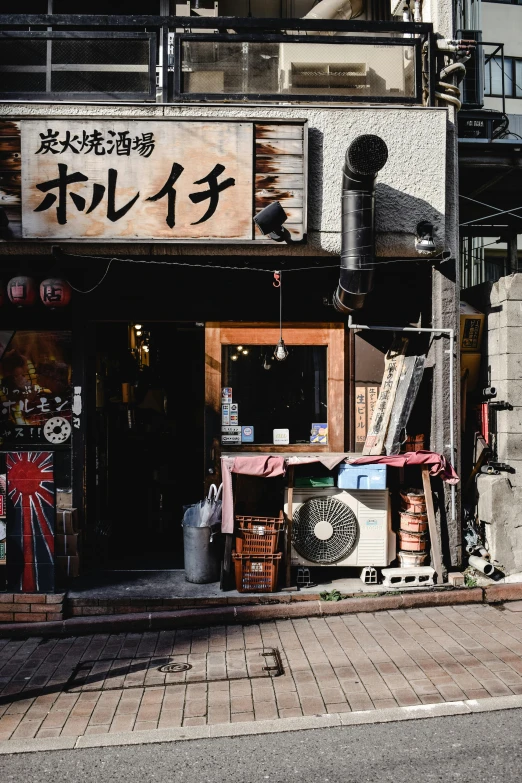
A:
(170, 59)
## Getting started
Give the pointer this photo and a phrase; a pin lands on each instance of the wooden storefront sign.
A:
(149, 180)
(375, 439)
(365, 402)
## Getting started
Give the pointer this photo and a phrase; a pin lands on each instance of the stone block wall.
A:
(504, 350)
(500, 497)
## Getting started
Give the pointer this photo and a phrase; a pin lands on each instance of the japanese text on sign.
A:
(145, 180)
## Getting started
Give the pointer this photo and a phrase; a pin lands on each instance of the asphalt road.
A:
(475, 748)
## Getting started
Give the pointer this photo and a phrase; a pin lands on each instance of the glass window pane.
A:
(372, 70)
(518, 78)
(487, 79)
(291, 394)
(496, 76)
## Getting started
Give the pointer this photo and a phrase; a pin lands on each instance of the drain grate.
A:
(170, 668)
(140, 672)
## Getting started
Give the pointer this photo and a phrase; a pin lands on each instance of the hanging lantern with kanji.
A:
(55, 292)
(22, 291)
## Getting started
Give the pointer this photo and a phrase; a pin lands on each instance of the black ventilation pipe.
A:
(365, 156)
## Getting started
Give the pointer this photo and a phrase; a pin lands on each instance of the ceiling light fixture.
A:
(281, 351)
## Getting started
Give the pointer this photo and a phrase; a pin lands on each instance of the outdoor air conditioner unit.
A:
(335, 527)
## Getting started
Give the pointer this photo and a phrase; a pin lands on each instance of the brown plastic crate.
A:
(251, 521)
(258, 540)
(256, 573)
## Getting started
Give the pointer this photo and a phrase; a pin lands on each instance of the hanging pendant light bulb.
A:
(281, 351)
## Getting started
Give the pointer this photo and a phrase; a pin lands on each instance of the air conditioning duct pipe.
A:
(365, 157)
(479, 564)
(336, 9)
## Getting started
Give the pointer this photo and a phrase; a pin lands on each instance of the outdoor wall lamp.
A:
(424, 241)
(270, 222)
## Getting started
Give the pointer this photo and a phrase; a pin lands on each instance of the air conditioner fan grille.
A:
(324, 530)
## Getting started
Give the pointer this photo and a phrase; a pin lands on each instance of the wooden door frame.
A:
(331, 335)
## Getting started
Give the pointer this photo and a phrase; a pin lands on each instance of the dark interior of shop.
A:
(149, 441)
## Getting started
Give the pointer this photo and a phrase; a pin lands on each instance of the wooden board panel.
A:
(11, 177)
(279, 181)
(287, 198)
(279, 147)
(393, 364)
(279, 164)
(279, 131)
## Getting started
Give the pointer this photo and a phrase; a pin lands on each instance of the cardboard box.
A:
(471, 328)
(67, 567)
(66, 545)
(66, 521)
(471, 363)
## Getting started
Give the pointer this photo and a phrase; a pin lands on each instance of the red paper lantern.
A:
(22, 291)
(55, 292)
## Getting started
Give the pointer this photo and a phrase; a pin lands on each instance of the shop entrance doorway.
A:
(149, 446)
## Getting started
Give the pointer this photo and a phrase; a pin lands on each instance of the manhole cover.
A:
(142, 672)
(169, 668)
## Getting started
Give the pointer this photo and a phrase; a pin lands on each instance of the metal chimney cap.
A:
(367, 154)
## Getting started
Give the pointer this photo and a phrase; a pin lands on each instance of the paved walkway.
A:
(335, 664)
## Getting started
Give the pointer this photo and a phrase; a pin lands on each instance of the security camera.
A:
(270, 222)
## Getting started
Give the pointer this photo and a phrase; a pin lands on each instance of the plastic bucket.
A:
(202, 556)
(414, 523)
(411, 559)
(413, 502)
(412, 542)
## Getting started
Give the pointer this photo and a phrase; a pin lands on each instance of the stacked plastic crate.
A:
(256, 559)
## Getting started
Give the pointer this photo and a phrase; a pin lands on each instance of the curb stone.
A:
(244, 614)
(251, 728)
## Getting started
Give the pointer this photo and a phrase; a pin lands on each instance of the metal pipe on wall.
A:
(451, 335)
(365, 157)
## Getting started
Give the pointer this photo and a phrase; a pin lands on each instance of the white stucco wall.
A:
(411, 187)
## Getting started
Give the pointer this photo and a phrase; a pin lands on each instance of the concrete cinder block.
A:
(493, 320)
(510, 339)
(512, 287)
(422, 576)
(491, 342)
(499, 503)
(509, 446)
(510, 314)
(456, 579)
(509, 390)
(510, 421)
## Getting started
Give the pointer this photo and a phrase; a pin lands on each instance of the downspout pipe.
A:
(365, 157)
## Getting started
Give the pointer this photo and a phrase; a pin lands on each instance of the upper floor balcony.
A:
(172, 59)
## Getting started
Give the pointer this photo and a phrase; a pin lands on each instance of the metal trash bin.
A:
(203, 553)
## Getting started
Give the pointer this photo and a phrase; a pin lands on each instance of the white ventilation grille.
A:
(324, 530)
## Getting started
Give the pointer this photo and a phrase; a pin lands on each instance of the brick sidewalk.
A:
(332, 664)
